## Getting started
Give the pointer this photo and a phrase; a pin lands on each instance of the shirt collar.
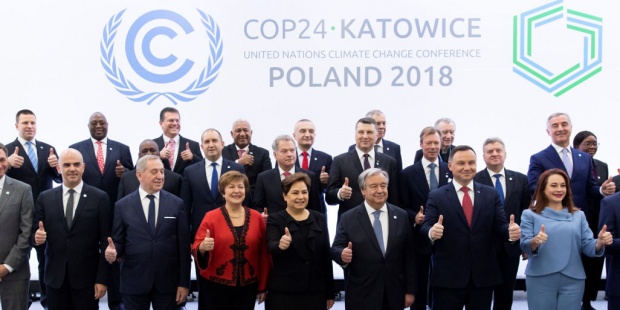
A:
(426, 162)
(370, 209)
(458, 186)
(492, 173)
(247, 148)
(360, 154)
(167, 139)
(77, 189)
(299, 151)
(559, 148)
(2, 180)
(23, 141)
(143, 193)
(104, 141)
(290, 171)
(218, 162)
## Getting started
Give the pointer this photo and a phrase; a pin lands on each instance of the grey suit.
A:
(15, 222)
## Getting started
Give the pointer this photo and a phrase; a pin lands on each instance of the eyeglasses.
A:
(591, 144)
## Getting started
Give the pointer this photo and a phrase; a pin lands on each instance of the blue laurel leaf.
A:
(180, 97)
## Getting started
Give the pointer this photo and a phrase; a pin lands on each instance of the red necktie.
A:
(468, 206)
(240, 153)
(286, 173)
(171, 158)
(99, 155)
(304, 162)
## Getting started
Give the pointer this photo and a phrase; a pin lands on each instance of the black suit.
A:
(179, 163)
(268, 193)
(516, 200)
(261, 162)
(442, 156)
(129, 183)
(391, 149)
(316, 162)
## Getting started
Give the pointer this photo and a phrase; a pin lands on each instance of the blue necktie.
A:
(378, 230)
(499, 188)
(567, 163)
(33, 156)
(151, 213)
(214, 181)
(433, 177)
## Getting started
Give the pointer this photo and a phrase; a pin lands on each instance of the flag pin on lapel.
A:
(84, 196)
(394, 216)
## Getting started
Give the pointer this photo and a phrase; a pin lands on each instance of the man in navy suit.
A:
(254, 159)
(175, 151)
(73, 220)
(313, 160)
(343, 188)
(415, 182)
(381, 145)
(151, 238)
(374, 240)
(515, 197)
(36, 168)
(461, 220)
(447, 129)
(610, 216)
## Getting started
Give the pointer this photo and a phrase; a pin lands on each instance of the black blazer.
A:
(261, 161)
(391, 149)
(40, 180)
(268, 193)
(317, 161)
(442, 156)
(129, 183)
(180, 164)
(292, 272)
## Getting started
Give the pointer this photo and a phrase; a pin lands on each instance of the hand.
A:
(345, 190)
(207, 244)
(181, 294)
(187, 155)
(324, 176)
(347, 253)
(409, 298)
(119, 169)
(100, 290)
(330, 303)
(265, 215)
(260, 297)
(16, 161)
(3, 271)
(608, 187)
(246, 159)
(165, 152)
(110, 251)
(539, 239)
(40, 236)
(524, 256)
(514, 231)
(604, 238)
(52, 160)
(437, 229)
(286, 239)
(419, 218)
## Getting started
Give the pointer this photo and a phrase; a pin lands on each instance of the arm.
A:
(528, 233)
(53, 172)
(202, 259)
(20, 251)
(431, 215)
(187, 197)
(326, 261)
(334, 184)
(533, 173)
(341, 240)
(608, 217)
(314, 199)
(404, 196)
(126, 160)
(259, 201)
(265, 162)
(119, 230)
(264, 263)
(393, 184)
(39, 216)
(274, 234)
(103, 208)
(410, 270)
(183, 244)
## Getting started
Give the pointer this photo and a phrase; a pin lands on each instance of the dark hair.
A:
(167, 110)
(296, 177)
(23, 112)
(6, 151)
(460, 148)
(582, 135)
(540, 201)
(233, 176)
(366, 120)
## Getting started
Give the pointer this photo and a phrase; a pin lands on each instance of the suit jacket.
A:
(610, 216)
(78, 251)
(158, 262)
(413, 189)
(268, 193)
(40, 180)
(180, 164)
(391, 149)
(262, 162)
(581, 182)
(317, 161)
(444, 157)
(16, 209)
(465, 253)
(516, 200)
(106, 181)
(196, 193)
(348, 165)
(371, 275)
(129, 183)
(601, 174)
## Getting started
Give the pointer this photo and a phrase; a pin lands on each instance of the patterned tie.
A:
(433, 177)
(468, 206)
(304, 161)
(240, 153)
(171, 145)
(366, 162)
(376, 226)
(567, 163)
(151, 213)
(33, 156)
(69, 212)
(499, 188)
(214, 179)
(100, 161)
(286, 173)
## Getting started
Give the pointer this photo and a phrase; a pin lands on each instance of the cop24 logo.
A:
(155, 76)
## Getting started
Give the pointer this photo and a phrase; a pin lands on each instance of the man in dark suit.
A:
(514, 194)
(151, 238)
(175, 151)
(268, 194)
(254, 159)
(447, 129)
(342, 188)
(461, 220)
(16, 209)
(33, 162)
(610, 216)
(381, 145)
(313, 160)
(415, 182)
(129, 181)
(73, 220)
(381, 273)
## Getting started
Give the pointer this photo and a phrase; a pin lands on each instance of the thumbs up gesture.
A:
(345, 191)
(604, 238)
(514, 231)
(187, 154)
(40, 236)
(52, 160)
(608, 187)
(119, 170)
(437, 229)
(165, 152)
(110, 251)
(541, 237)
(286, 239)
(419, 218)
(347, 253)
(265, 215)
(324, 176)
(16, 161)
(207, 243)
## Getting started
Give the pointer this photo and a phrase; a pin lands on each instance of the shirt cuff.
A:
(9, 268)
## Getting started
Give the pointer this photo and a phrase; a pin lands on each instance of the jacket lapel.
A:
(7, 189)
(454, 199)
(392, 222)
(82, 203)
(364, 220)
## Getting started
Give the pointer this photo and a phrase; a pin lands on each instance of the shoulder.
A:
(91, 190)
(118, 144)
(76, 145)
(195, 167)
(257, 150)
(516, 175)
(391, 144)
(396, 210)
(17, 184)
(167, 173)
(320, 154)
(351, 213)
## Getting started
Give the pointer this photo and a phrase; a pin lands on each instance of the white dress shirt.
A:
(502, 179)
(104, 147)
(145, 203)
(209, 170)
(383, 218)
(76, 197)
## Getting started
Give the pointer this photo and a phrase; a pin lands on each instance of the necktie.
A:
(69, 212)
(499, 188)
(214, 181)
(376, 226)
(151, 213)
(100, 156)
(366, 162)
(286, 173)
(468, 206)
(304, 161)
(433, 184)
(567, 163)
(240, 153)
(171, 145)
(33, 156)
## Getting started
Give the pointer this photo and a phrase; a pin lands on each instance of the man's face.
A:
(241, 134)
(381, 125)
(27, 126)
(376, 190)
(463, 166)
(171, 125)
(71, 166)
(304, 134)
(148, 148)
(285, 155)
(152, 178)
(430, 146)
(494, 155)
(212, 145)
(4, 163)
(559, 129)
(447, 132)
(365, 136)
(98, 126)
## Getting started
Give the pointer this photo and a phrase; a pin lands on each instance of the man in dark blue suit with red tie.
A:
(381, 145)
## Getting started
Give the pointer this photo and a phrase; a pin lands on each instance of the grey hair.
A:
(141, 164)
(445, 120)
(556, 115)
(493, 140)
(371, 172)
(371, 113)
(279, 138)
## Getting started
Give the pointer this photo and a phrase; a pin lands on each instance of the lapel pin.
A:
(41, 147)
(110, 149)
(251, 153)
(377, 163)
(478, 192)
(394, 216)
(598, 177)
(316, 158)
(449, 180)
(7, 192)
(84, 196)
(579, 155)
(387, 148)
(228, 167)
(510, 179)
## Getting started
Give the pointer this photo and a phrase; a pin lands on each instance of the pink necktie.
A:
(240, 153)
(99, 155)
(171, 158)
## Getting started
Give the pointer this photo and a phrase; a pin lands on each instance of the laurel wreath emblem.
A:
(194, 89)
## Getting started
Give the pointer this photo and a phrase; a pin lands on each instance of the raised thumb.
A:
(118, 163)
(110, 243)
(346, 181)
(604, 230)
(17, 151)
(287, 232)
(421, 210)
(208, 234)
(265, 211)
(41, 226)
(187, 146)
(542, 229)
(323, 169)
(512, 219)
(51, 151)
(350, 246)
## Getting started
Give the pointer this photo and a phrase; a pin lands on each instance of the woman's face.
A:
(589, 145)
(555, 189)
(234, 192)
(297, 196)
